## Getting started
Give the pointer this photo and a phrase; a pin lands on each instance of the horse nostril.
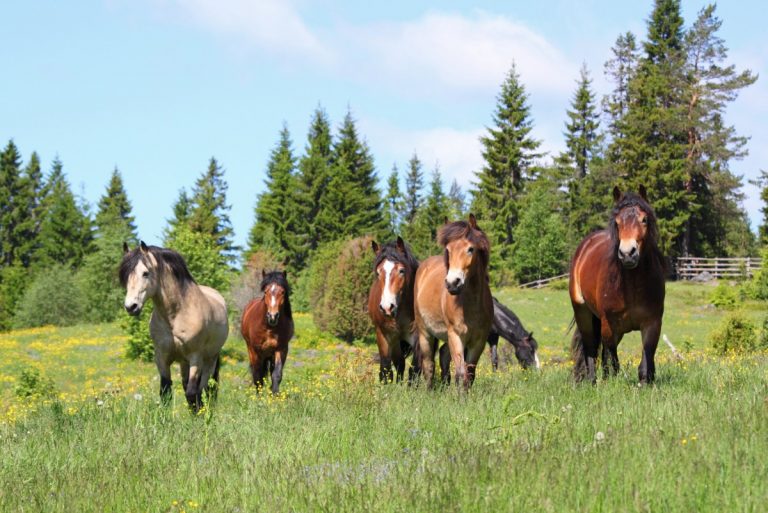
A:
(382, 309)
(633, 251)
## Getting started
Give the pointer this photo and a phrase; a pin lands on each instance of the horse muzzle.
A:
(134, 309)
(390, 311)
(272, 319)
(454, 287)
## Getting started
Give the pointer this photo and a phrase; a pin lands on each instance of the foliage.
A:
(736, 334)
(421, 233)
(414, 184)
(724, 295)
(115, 208)
(245, 285)
(14, 281)
(32, 383)
(339, 279)
(54, 297)
(139, 345)
(393, 203)
(206, 262)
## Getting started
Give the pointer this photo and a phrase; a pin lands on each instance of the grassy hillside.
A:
(335, 440)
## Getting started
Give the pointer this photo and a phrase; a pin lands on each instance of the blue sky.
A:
(157, 87)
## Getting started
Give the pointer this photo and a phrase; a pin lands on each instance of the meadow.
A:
(336, 440)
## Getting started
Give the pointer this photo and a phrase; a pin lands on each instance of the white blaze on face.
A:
(536, 359)
(387, 298)
(273, 290)
(626, 245)
(453, 274)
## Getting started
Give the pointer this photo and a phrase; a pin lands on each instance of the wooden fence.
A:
(691, 267)
(537, 284)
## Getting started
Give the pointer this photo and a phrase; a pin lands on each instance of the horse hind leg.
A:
(166, 384)
(584, 346)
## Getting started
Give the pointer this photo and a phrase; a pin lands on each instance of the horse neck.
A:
(169, 299)
(477, 286)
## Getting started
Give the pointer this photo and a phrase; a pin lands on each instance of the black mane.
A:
(389, 251)
(629, 200)
(165, 257)
(279, 279)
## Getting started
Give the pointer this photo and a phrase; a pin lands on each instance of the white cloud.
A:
(272, 26)
(443, 52)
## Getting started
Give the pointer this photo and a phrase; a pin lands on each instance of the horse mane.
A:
(389, 251)
(628, 200)
(460, 230)
(279, 279)
(164, 256)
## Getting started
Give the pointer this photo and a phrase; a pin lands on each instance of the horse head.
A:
(394, 271)
(632, 226)
(139, 276)
(466, 253)
(274, 285)
(526, 351)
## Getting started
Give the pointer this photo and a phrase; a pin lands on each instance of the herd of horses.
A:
(441, 306)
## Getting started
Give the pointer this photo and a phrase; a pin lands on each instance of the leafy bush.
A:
(203, 256)
(54, 297)
(13, 283)
(339, 278)
(736, 334)
(764, 335)
(724, 295)
(757, 287)
(140, 345)
(33, 383)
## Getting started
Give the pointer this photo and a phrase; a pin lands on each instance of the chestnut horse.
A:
(506, 325)
(267, 326)
(453, 301)
(390, 305)
(617, 286)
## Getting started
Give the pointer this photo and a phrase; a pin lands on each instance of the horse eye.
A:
(146, 274)
(470, 250)
(645, 220)
(402, 272)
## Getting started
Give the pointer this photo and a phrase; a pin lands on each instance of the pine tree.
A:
(620, 70)
(277, 215)
(352, 205)
(182, 211)
(209, 210)
(313, 179)
(65, 231)
(509, 152)
(13, 207)
(114, 208)
(457, 202)
(414, 184)
(762, 183)
(393, 203)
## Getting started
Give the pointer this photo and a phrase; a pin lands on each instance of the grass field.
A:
(335, 440)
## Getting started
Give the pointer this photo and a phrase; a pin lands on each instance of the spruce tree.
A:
(182, 210)
(457, 202)
(620, 70)
(277, 215)
(313, 178)
(393, 203)
(414, 184)
(114, 208)
(29, 227)
(762, 183)
(13, 208)
(509, 152)
(65, 231)
(209, 212)
(540, 246)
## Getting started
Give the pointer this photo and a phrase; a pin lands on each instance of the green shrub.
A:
(140, 345)
(14, 280)
(735, 334)
(763, 343)
(757, 287)
(54, 297)
(203, 257)
(33, 383)
(339, 279)
(724, 295)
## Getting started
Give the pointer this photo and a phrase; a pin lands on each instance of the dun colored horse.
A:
(506, 325)
(390, 305)
(189, 322)
(617, 286)
(453, 302)
(267, 326)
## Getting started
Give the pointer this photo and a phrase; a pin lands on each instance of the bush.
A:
(736, 334)
(13, 283)
(724, 295)
(140, 345)
(339, 279)
(203, 257)
(757, 287)
(33, 383)
(764, 335)
(54, 297)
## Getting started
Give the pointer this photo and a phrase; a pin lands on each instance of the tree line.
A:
(662, 125)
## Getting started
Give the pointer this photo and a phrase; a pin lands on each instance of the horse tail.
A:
(577, 352)
(216, 369)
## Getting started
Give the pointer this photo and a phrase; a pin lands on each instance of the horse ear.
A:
(616, 193)
(375, 247)
(400, 244)
(643, 192)
(472, 221)
(126, 249)
(530, 334)
(263, 274)
(445, 220)
(143, 247)
(285, 273)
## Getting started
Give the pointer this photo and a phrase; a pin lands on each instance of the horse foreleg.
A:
(493, 342)
(456, 345)
(385, 361)
(398, 360)
(472, 359)
(163, 363)
(427, 358)
(445, 364)
(277, 371)
(258, 371)
(193, 391)
(650, 334)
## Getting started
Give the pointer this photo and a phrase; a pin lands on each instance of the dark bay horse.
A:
(617, 286)
(189, 322)
(390, 305)
(452, 300)
(506, 325)
(267, 327)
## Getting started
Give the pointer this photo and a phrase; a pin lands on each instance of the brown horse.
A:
(390, 305)
(267, 326)
(617, 286)
(453, 301)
